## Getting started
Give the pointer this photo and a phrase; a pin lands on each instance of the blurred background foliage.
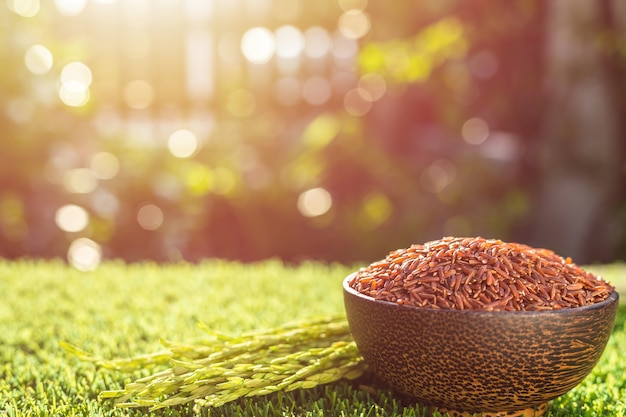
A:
(336, 130)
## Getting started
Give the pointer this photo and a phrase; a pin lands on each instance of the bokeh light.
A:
(198, 178)
(182, 143)
(70, 7)
(76, 72)
(199, 10)
(75, 81)
(38, 59)
(374, 84)
(137, 12)
(316, 90)
(71, 218)
(314, 202)
(241, 102)
(228, 47)
(287, 10)
(287, 91)
(502, 146)
(199, 56)
(376, 209)
(138, 94)
(137, 44)
(483, 65)
(104, 203)
(475, 131)
(357, 102)
(225, 181)
(13, 225)
(354, 24)
(258, 45)
(150, 217)
(344, 49)
(84, 254)
(80, 180)
(74, 94)
(20, 110)
(24, 8)
(458, 226)
(289, 42)
(317, 42)
(105, 165)
(437, 176)
(346, 5)
(190, 117)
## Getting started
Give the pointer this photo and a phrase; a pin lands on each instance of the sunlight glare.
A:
(71, 218)
(258, 45)
(182, 143)
(150, 217)
(70, 7)
(84, 254)
(38, 59)
(314, 202)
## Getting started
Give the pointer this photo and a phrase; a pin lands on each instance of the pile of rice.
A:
(480, 274)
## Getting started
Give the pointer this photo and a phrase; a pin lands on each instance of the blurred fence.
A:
(249, 129)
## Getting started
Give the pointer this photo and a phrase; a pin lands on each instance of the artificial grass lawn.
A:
(123, 310)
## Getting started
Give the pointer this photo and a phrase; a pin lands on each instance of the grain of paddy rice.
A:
(225, 368)
(480, 274)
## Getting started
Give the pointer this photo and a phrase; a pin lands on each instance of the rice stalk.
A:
(223, 368)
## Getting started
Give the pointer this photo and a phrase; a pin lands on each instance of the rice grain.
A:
(480, 274)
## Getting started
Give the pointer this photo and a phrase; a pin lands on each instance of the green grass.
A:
(123, 310)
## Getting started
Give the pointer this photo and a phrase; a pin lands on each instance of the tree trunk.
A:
(581, 153)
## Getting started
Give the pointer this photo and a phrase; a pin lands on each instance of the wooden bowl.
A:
(464, 362)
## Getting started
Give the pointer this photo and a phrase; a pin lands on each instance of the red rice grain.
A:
(480, 274)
